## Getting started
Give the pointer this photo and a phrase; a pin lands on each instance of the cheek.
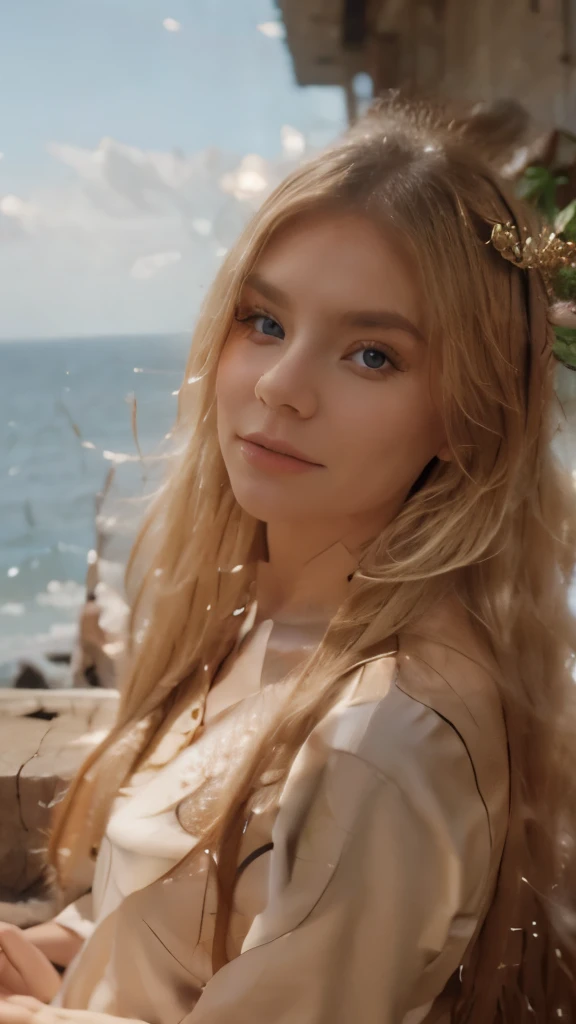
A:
(234, 380)
(385, 440)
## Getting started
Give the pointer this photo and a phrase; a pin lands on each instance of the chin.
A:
(260, 506)
(269, 503)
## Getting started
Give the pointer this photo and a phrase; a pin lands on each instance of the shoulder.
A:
(400, 766)
(442, 667)
(407, 769)
(429, 717)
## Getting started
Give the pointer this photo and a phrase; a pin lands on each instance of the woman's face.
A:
(325, 409)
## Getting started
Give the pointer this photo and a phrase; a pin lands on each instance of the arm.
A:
(62, 938)
(396, 915)
(59, 944)
(54, 942)
(23, 968)
(27, 955)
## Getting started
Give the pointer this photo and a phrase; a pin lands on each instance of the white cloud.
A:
(124, 181)
(12, 608)
(272, 29)
(11, 206)
(293, 141)
(248, 180)
(171, 25)
(148, 266)
(126, 173)
(210, 193)
(86, 162)
(27, 214)
(123, 216)
(62, 595)
(202, 226)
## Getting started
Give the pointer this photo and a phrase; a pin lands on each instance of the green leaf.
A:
(565, 284)
(566, 335)
(538, 175)
(565, 346)
(564, 218)
(539, 187)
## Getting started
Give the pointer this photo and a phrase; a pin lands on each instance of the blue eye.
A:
(370, 358)
(266, 325)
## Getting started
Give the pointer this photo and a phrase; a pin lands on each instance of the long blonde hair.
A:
(495, 525)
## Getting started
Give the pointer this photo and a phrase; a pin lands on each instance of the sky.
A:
(136, 137)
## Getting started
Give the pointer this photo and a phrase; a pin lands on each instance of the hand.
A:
(56, 941)
(24, 970)
(25, 1010)
(22, 1010)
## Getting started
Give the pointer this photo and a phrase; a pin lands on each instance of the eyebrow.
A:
(383, 319)
(268, 290)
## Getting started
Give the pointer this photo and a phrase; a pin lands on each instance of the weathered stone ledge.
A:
(45, 735)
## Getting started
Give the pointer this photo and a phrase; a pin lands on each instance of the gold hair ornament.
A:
(546, 252)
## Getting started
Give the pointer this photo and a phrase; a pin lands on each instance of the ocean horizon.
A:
(80, 338)
(66, 419)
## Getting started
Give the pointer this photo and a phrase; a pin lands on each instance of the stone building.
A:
(469, 50)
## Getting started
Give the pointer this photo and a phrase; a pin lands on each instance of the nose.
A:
(289, 384)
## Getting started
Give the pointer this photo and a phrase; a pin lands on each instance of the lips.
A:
(279, 447)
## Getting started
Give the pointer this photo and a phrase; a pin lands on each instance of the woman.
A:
(341, 785)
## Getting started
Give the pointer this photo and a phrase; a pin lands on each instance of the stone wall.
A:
(45, 735)
(463, 50)
(486, 50)
(514, 49)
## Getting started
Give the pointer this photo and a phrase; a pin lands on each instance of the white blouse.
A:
(359, 894)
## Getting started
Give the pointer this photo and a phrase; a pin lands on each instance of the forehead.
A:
(343, 261)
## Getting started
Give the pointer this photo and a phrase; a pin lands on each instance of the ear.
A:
(445, 455)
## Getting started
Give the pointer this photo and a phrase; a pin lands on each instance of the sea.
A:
(67, 419)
